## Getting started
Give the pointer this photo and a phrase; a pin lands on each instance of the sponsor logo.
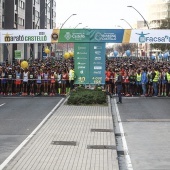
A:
(81, 72)
(98, 52)
(81, 63)
(82, 53)
(75, 36)
(97, 63)
(98, 58)
(82, 48)
(67, 36)
(97, 72)
(97, 47)
(97, 67)
(143, 38)
(81, 67)
(23, 38)
(54, 36)
(81, 58)
(105, 36)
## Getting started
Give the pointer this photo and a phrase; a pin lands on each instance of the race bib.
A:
(10, 76)
(39, 77)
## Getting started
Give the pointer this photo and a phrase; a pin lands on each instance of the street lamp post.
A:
(127, 23)
(77, 25)
(140, 15)
(42, 13)
(63, 25)
(143, 19)
(67, 20)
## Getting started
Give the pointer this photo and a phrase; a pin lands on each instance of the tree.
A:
(122, 48)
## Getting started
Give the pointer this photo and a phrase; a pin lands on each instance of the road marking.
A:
(29, 137)
(125, 147)
(2, 104)
(148, 120)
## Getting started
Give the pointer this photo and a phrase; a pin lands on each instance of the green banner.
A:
(74, 35)
(17, 54)
(81, 63)
(97, 63)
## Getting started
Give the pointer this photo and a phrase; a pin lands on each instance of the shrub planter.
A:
(82, 96)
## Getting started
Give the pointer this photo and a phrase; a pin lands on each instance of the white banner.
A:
(56, 35)
(150, 36)
(26, 36)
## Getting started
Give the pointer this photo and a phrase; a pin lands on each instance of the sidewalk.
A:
(49, 150)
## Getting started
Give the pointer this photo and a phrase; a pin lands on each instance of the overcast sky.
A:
(99, 13)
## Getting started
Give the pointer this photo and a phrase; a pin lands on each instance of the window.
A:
(21, 4)
(3, 18)
(21, 21)
(37, 14)
(48, 21)
(48, 9)
(54, 25)
(37, 1)
(54, 3)
(54, 14)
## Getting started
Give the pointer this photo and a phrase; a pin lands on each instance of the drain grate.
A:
(120, 134)
(101, 147)
(121, 153)
(69, 143)
(101, 130)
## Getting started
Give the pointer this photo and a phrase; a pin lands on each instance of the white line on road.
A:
(125, 147)
(29, 137)
(2, 104)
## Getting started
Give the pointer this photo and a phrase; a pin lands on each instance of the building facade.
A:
(158, 12)
(25, 14)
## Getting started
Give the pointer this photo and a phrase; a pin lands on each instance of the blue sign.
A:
(106, 35)
(44, 55)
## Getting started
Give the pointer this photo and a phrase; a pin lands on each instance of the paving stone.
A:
(70, 123)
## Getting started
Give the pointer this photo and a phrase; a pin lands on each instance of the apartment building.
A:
(26, 14)
(158, 11)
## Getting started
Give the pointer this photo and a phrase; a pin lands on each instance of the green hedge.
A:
(82, 96)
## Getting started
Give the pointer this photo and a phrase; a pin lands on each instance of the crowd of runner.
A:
(48, 77)
(139, 77)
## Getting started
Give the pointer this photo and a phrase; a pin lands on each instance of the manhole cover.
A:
(70, 143)
(101, 147)
(101, 130)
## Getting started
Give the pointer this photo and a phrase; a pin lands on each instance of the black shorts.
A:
(150, 83)
(107, 82)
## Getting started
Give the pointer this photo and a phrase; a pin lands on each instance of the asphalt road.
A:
(19, 116)
(146, 124)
